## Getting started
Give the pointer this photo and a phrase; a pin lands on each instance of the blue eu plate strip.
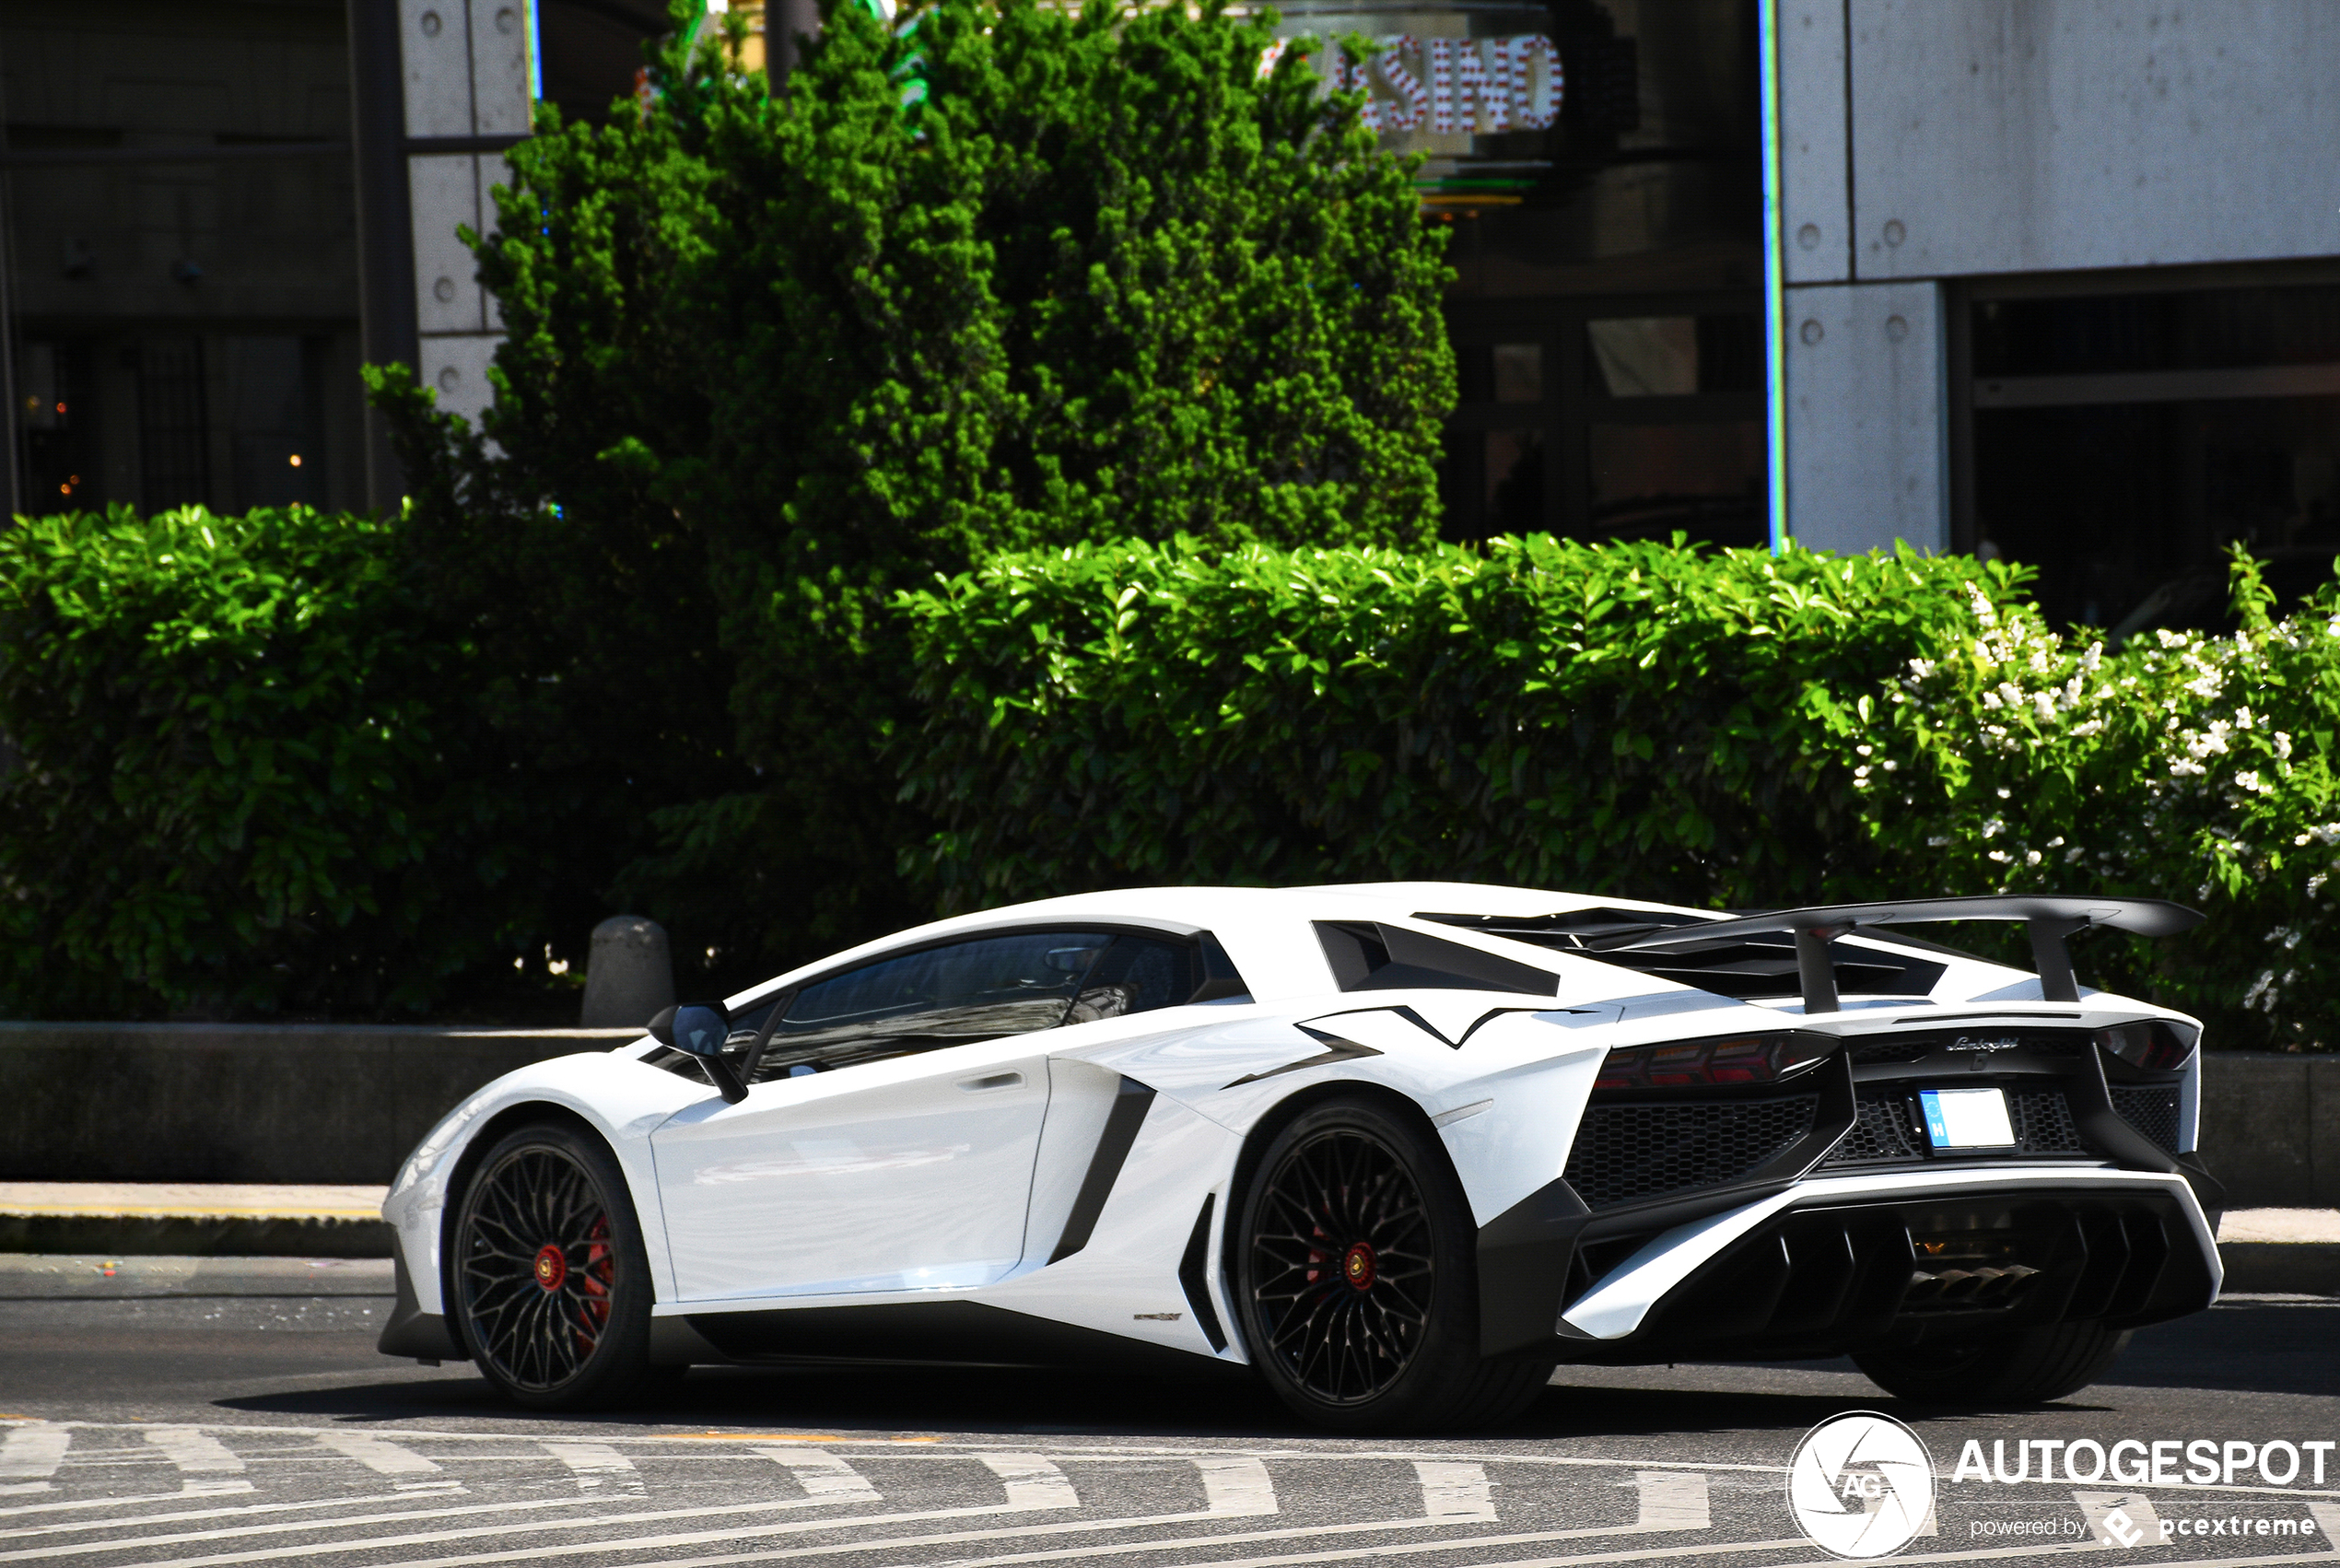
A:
(1936, 1131)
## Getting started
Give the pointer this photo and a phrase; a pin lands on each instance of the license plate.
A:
(1967, 1119)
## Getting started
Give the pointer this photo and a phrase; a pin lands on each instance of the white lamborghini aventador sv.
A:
(1398, 1148)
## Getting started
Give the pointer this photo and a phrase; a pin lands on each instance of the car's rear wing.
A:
(2051, 918)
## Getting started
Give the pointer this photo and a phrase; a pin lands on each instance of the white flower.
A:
(1993, 827)
(2031, 857)
(2000, 855)
(2282, 746)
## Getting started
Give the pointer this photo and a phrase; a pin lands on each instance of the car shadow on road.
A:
(2242, 1348)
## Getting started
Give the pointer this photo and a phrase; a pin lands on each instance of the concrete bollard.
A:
(630, 975)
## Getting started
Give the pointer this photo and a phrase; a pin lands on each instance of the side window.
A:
(937, 996)
(1136, 974)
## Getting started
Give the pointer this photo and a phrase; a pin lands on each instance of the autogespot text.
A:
(2135, 1463)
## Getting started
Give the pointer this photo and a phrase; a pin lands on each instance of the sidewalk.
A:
(2281, 1251)
(192, 1219)
(2294, 1251)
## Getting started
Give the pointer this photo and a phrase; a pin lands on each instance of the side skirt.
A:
(941, 1333)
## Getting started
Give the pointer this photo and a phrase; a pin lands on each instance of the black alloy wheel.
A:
(1356, 1279)
(2022, 1366)
(551, 1280)
(1341, 1265)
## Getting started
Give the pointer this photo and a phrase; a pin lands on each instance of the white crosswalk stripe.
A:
(193, 1450)
(1454, 1492)
(1235, 1485)
(1672, 1500)
(1033, 1482)
(598, 1466)
(33, 1454)
(378, 1455)
(823, 1475)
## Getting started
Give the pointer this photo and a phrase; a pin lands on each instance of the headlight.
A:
(2157, 1047)
(1708, 1064)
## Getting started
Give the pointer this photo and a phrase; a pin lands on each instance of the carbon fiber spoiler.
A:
(2051, 918)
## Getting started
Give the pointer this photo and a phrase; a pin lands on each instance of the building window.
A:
(2122, 441)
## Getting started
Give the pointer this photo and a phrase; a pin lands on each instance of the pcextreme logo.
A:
(1861, 1485)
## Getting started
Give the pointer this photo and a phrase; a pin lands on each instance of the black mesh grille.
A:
(1882, 1133)
(2043, 1121)
(2152, 1110)
(1887, 1128)
(1624, 1154)
(1894, 1050)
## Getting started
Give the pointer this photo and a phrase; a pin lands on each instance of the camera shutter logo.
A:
(1861, 1485)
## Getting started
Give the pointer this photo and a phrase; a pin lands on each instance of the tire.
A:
(550, 1284)
(2028, 1367)
(1355, 1263)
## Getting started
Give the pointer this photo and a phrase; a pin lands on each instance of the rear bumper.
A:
(1838, 1263)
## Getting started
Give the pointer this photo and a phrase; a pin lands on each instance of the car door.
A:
(887, 1138)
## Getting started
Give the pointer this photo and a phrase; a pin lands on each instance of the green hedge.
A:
(258, 765)
(1650, 722)
(233, 787)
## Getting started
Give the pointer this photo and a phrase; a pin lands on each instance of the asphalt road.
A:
(214, 1430)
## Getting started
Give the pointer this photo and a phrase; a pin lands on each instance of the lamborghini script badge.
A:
(1971, 1043)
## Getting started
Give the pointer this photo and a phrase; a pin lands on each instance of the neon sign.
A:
(1448, 86)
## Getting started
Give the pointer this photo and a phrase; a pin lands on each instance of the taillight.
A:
(2157, 1047)
(1707, 1064)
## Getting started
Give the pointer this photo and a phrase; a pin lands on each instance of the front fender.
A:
(615, 1092)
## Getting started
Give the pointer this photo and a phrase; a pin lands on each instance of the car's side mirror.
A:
(699, 1029)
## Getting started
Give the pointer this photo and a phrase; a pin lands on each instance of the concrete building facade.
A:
(2062, 283)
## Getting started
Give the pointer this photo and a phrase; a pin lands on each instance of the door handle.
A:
(995, 1081)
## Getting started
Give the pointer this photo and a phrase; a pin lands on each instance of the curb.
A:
(2299, 1268)
(195, 1235)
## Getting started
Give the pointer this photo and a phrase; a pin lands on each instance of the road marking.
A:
(378, 1455)
(32, 1453)
(598, 1466)
(2099, 1505)
(823, 1475)
(1456, 1493)
(192, 1488)
(276, 1553)
(240, 1531)
(243, 1510)
(1033, 1482)
(193, 1450)
(1233, 1487)
(1672, 1500)
(1638, 1554)
(1057, 1555)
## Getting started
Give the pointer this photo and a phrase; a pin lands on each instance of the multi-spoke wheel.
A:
(1341, 1266)
(1354, 1258)
(551, 1282)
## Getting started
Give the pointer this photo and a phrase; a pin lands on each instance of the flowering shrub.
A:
(2183, 765)
(1650, 722)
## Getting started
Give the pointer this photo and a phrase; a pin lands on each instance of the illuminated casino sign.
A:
(1469, 84)
(1450, 86)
